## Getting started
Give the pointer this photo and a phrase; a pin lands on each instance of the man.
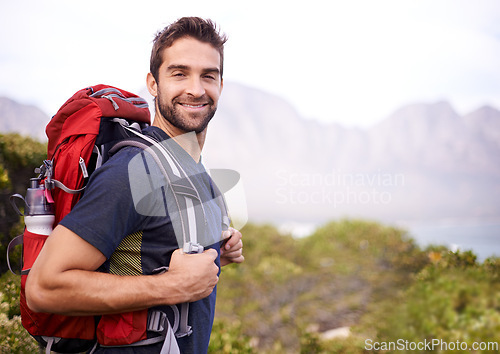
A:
(104, 230)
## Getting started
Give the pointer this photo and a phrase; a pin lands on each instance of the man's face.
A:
(189, 84)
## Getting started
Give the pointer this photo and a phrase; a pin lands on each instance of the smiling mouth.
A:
(193, 105)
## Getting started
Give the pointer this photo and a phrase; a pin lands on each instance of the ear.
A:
(221, 84)
(152, 85)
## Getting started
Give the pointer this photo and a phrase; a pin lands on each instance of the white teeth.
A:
(192, 106)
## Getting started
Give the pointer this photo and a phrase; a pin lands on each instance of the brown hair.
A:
(196, 27)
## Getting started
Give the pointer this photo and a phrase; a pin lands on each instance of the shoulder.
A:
(113, 175)
(119, 162)
(132, 150)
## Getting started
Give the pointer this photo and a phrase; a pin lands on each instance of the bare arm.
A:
(63, 280)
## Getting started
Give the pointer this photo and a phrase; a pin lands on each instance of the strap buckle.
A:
(156, 321)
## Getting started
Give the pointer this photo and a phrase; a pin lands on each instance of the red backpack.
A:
(79, 136)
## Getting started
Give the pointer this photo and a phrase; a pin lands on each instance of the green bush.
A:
(290, 290)
(228, 338)
(453, 299)
(19, 156)
(13, 337)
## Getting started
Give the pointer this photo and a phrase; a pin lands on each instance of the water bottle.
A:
(39, 214)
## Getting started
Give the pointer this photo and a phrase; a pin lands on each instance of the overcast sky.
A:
(351, 62)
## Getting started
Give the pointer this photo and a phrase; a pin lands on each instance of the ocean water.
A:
(481, 237)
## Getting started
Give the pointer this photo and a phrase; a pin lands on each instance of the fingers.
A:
(233, 253)
(236, 258)
(232, 249)
(234, 240)
(212, 253)
(177, 252)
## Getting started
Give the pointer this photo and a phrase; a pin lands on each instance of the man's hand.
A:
(196, 274)
(231, 250)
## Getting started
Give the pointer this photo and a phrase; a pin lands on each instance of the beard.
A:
(182, 120)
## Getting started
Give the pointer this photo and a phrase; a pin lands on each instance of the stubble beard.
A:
(180, 120)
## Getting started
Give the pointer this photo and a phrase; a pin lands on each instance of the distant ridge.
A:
(424, 161)
(23, 119)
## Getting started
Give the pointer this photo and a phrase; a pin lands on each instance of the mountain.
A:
(423, 162)
(23, 119)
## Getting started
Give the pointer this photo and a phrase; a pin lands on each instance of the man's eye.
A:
(211, 77)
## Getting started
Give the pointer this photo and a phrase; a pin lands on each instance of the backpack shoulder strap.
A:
(160, 155)
(165, 158)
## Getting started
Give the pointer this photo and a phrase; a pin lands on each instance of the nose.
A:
(195, 87)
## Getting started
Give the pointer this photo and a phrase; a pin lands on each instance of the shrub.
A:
(13, 337)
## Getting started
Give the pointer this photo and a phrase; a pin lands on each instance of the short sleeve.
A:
(106, 214)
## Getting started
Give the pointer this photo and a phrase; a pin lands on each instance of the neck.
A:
(191, 142)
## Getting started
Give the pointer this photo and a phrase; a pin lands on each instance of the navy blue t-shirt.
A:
(134, 229)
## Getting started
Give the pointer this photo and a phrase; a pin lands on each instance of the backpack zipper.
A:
(110, 93)
(81, 162)
(115, 105)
